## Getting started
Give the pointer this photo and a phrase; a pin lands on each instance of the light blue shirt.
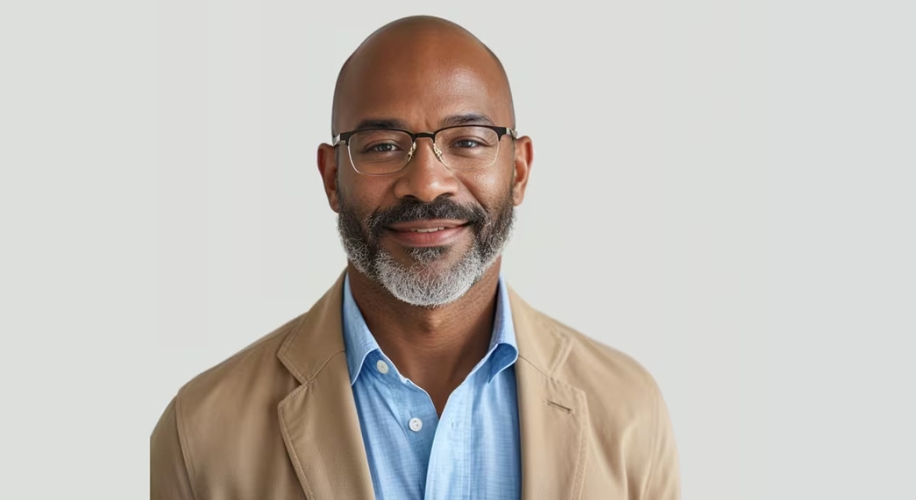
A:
(472, 452)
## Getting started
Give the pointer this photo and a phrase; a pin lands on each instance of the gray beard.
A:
(426, 282)
(423, 283)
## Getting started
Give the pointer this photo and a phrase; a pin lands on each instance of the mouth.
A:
(427, 233)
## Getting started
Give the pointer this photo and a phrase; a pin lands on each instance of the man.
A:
(420, 374)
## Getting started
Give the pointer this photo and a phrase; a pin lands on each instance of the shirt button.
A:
(382, 366)
(416, 424)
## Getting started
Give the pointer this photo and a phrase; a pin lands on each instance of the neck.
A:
(434, 347)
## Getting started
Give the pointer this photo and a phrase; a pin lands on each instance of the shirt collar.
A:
(359, 341)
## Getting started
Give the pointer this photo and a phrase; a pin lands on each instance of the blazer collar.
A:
(553, 415)
(317, 338)
(318, 419)
(320, 425)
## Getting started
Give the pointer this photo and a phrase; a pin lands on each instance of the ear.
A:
(327, 166)
(524, 157)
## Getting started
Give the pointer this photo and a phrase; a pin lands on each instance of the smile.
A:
(428, 233)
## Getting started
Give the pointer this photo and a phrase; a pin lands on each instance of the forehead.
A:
(422, 82)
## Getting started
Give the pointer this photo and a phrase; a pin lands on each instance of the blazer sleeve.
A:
(664, 480)
(169, 479)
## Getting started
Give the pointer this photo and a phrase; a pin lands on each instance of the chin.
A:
(430, 284)
(432, 257)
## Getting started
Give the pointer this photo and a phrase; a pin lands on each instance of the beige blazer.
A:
(278, 420)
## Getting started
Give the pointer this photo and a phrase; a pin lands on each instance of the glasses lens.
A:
(465, 148)
(376, 152)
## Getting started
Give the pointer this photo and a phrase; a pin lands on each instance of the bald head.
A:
(420, 70)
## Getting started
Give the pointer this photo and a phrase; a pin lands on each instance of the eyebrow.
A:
(394, 123)
(472, 118)
(381, 123)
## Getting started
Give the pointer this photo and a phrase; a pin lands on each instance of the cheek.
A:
(491, 186)
(363, 194)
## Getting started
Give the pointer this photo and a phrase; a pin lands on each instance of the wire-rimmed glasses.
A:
(382, 151)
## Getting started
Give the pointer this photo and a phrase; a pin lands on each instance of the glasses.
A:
(386, 151)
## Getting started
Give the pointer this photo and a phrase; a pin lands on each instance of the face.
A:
(426, 233)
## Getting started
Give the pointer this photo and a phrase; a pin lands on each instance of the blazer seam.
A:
(284, 359)
(323, 365)
(650, 475)
(285, 346)
(559, 357)
(535, 366)
(563, 350)
(184, 446)
(555, 379)
(579, 480)
(292, 449)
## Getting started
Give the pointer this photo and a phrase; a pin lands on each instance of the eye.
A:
(384, 147)
(466, 143)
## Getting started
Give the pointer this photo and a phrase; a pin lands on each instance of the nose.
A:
(425, 177)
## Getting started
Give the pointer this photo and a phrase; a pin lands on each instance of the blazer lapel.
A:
(553, 415)
(318, 419)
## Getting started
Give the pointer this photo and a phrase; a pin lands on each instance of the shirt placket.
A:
(449, 463)
(415, 415)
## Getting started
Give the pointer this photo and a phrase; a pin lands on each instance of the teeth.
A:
(431, 230)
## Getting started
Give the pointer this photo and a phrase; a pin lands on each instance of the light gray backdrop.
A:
(722, 190)
(643, 225)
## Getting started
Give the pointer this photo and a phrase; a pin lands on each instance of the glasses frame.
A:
(344, 137)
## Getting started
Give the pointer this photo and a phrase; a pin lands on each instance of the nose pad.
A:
(413, 150)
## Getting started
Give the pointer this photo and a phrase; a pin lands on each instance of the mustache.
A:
(413, 210)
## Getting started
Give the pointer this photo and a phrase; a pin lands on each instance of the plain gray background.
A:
(723, 190)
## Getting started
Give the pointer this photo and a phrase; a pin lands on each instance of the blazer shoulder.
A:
(599, 368)
(222, 415)
(241, 391)
(254, 370)
(568, 354)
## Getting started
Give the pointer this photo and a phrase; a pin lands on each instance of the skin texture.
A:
(422, 70)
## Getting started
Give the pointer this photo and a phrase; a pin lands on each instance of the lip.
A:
(406, 234)
(427, 224)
